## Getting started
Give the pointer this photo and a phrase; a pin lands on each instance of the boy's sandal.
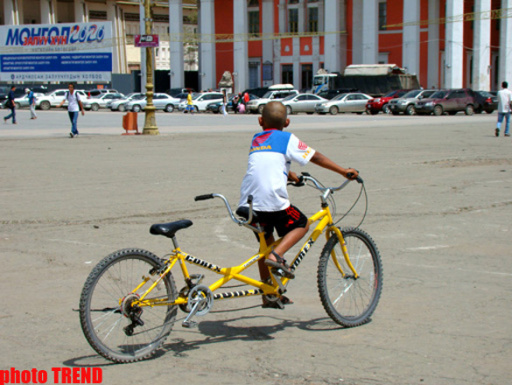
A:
(280, 264)
(279, 304)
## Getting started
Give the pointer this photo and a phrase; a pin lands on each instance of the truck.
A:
(372, 79)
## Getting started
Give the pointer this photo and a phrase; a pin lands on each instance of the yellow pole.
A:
(150, 127)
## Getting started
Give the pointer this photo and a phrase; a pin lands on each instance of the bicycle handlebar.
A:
(233, 218)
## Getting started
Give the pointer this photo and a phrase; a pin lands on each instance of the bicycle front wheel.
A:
(350, 301)
(112, 323)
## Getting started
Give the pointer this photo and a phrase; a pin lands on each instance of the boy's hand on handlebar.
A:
(351, 173)
(296, 180)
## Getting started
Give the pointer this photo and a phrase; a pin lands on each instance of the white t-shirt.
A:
(270, 157)
(504, 100)
(73, 101)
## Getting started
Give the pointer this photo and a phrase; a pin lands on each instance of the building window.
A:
(254, 22)
(287, 73)
(293, 20)
(253, 3)
(382, 15)
(293, 1)
(313, 19)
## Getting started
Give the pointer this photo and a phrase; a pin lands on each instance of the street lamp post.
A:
(150, 127)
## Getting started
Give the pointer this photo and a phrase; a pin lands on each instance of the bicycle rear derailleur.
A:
(133, 312)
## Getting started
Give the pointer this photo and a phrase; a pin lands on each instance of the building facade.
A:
(446, 43)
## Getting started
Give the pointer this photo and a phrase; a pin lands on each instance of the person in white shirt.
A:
(504, 108)
(268, 171)
(74, 106)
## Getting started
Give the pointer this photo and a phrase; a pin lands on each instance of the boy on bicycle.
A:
(268, 171)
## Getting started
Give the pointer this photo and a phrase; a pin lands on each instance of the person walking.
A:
(504, 108)
(74, 106)
(224, 103)
(190, 104)
(11, 105)
(31, 103)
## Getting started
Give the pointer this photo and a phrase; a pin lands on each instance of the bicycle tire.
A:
(109, 282)
(350, 302)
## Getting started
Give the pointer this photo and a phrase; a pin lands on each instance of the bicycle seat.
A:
(169, 229)
(243, 211)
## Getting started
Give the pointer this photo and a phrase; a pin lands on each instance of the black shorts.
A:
(283, 221)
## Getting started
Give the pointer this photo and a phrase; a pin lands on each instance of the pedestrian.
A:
(190, 104)
(504, 108)
(74, 106)
(224, 103)
(11, 105)
(31, 102)
(235, 102)
(268, 172)
(246, 98)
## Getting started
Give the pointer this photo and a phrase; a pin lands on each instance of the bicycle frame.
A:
(325, 221)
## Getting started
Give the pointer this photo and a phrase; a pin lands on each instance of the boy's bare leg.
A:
(289, 240)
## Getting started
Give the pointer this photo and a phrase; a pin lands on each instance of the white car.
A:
(54, 98)
(119, 104)
(22, 101)
(101, 101)
(201, 100)
(347, 102)
(160, 101)
(276, 92)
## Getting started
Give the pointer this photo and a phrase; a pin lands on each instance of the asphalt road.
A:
(439, 209)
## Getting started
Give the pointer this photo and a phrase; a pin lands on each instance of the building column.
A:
(176, 44)
(240, 48)
(267, 28)
(48, 11)
(283, 27)
(114, 14)
(332, 41)
(433, 45)
(505, 59)
(411, 37)
(454, 44)
(482, 47)
(12, 12)
(207, 68)
(365, 42)
(81, 11)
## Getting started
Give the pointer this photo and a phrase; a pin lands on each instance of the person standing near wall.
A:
(74, 106)
(504, 108)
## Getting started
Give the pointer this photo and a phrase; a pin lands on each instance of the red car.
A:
(381, 104)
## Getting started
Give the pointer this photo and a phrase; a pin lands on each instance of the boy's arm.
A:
(325, 162)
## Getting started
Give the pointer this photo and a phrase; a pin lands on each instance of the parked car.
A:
(23, 101)
(160, 101)
(374, 106)
(101, 101)
(54, 98)
(275, 92)
(302, 103)
(406, 104)
(347, 102)
(174, 92)
(486, 102)
(215, 106)
(119, 104)
(100, 91)
(201, 100)
(329, 94)
(448, 101)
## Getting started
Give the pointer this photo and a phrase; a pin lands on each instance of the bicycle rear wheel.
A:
(113, 327)
(350, 301)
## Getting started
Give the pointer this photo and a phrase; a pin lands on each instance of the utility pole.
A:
(150, 127)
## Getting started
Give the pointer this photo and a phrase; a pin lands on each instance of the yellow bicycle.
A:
(129, 302)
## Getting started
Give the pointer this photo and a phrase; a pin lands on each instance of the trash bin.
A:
(130, 123)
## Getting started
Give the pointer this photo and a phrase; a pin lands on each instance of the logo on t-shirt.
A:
(302, 145)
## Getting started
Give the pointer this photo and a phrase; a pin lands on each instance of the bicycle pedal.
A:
(189, 324)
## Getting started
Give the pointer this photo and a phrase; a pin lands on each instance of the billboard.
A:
(56, 52)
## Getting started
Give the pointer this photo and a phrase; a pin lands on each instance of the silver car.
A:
(119, 104)
(302, 103)
(348, 102)
(160, 101)
(94, 104)
(406, 104)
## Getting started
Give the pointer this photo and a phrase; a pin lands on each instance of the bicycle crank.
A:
(200, 300)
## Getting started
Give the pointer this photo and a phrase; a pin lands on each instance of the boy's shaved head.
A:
(274, 115)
